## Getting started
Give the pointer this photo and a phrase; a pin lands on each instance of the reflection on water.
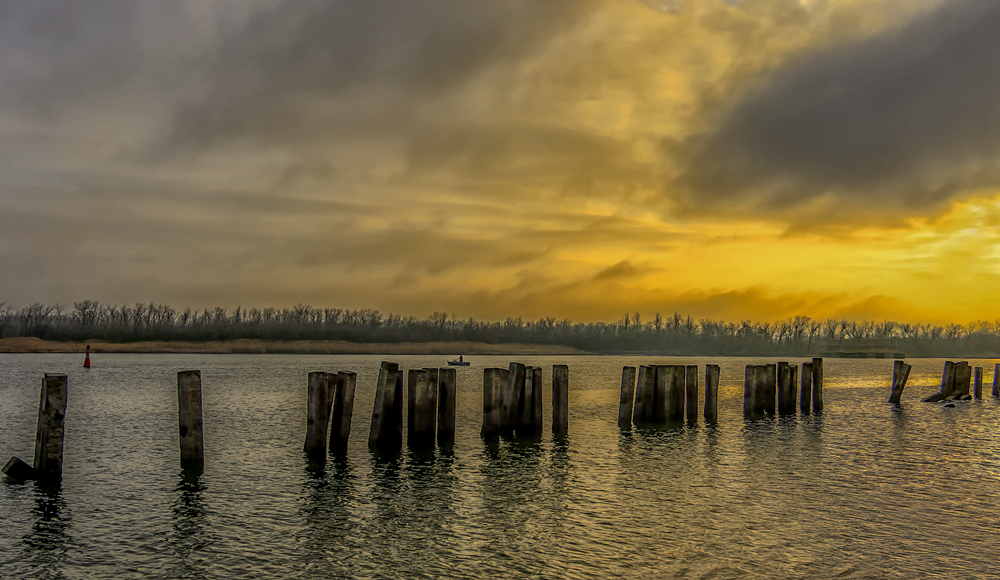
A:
(863, 490)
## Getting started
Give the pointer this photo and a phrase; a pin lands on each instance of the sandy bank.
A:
(287, 347)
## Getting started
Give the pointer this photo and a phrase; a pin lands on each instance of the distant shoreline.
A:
(246, 346)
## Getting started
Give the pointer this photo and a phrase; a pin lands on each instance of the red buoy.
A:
(86, 361)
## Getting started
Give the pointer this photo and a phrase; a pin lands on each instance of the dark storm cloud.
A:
(903, 121)
(317, 69)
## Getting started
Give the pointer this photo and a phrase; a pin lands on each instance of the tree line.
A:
(676, 334)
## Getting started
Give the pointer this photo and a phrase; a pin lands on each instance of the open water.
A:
(863, 490)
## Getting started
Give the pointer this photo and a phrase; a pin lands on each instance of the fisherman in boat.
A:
(460, 359)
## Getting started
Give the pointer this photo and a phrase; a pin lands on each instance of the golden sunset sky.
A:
(491, 158)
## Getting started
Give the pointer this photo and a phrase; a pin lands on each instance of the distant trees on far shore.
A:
(676, 334)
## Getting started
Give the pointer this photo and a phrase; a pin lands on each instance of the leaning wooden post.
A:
(711, 393)
(996, 380)
(691, 386)
(560, 400)
(947, 384)
(189, 415)
(320, 399)
(536, 403)
(447, 389)
(817, 380)
(977, 384)
(343, 411)
(627, 398)
(900, 372)
(491, 403)
(422, 410)
(51, 427)
(386, 432)
(805, 395)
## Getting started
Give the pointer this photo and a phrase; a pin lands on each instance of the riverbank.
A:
(35, 345)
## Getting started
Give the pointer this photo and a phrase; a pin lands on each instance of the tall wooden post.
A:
(977, 383)
(805, 395)
(525, 427)
(996, 380)
(786, 389)
(963, 378)
(770, 388)
(900, 372)
(386, 433)
(676, 393)
(817, 379)
(51, 427)
(644, 395)
(319, 400)
(447, 390)
(343, 411)
(422, 409)
(662, 402)
(691, 386)
(189, 416)
(560, 400)
(512, 392)
(754, 391)
(627, 398)
(947, 384)
(536, 404)
(711, 393)
(492, 398)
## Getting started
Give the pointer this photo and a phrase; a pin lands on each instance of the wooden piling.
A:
(662, 395)
(947, 384)
(319, 401)
(794, 370)
(900, 372)
(560, 400)
(676, 393)
(524, 427)
(963, 379)
(627, 398)
(770, 388)
(492, 397)
(996, 380)
(386, 433)
(513, 389)
(421, 409)
(755, 391)
(447, 391)
(817, 384)
(805, 395)
(711, 394)
(749, 395)
(691, 386)
(644, 395)
(977, 383)
(192, 441)
(786, 389)
(536, 404)
(343, 411)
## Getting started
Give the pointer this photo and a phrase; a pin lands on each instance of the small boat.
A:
(458, 363)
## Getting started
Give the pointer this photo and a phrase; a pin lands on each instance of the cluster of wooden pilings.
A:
(956, 381)
(512, 402)
(430, 409)
(49, 434)
(660, 393)
(773, 389)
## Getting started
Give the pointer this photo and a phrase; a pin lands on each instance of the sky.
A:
(581, 159)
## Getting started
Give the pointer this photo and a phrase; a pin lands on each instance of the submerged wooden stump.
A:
(192, 441)
(627, 398)
(977, 383)
(691, 386)
(947, 384)
(447, 390)
(560, 400)
(711, 393)
(805, 395)
(343, 411)
(386, 434)
(900, 372)
(17, 470)
(319, 402)
(817, 384)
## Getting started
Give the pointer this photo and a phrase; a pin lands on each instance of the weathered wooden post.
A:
(676, 376)
(691, 385)
(524, 427)
(319, 400)
(711, 393)
(805, 395)
(963, 379)
(51, 427)
(786, 389)
(770, 387)
(343, 411)
(536, 403)
(492, 397)
(996, 380)
(662, 405)
(947, 384)
(817, 380)
(754, 391)
(644, 394)
(513, 390)
(386, 433)
(422, 409)
(192, 441)
(560, 400)
(447, 391)
(900, 372)
(977, 384)
(627, 398)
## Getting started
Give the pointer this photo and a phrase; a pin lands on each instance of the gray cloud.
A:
(903, 121)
